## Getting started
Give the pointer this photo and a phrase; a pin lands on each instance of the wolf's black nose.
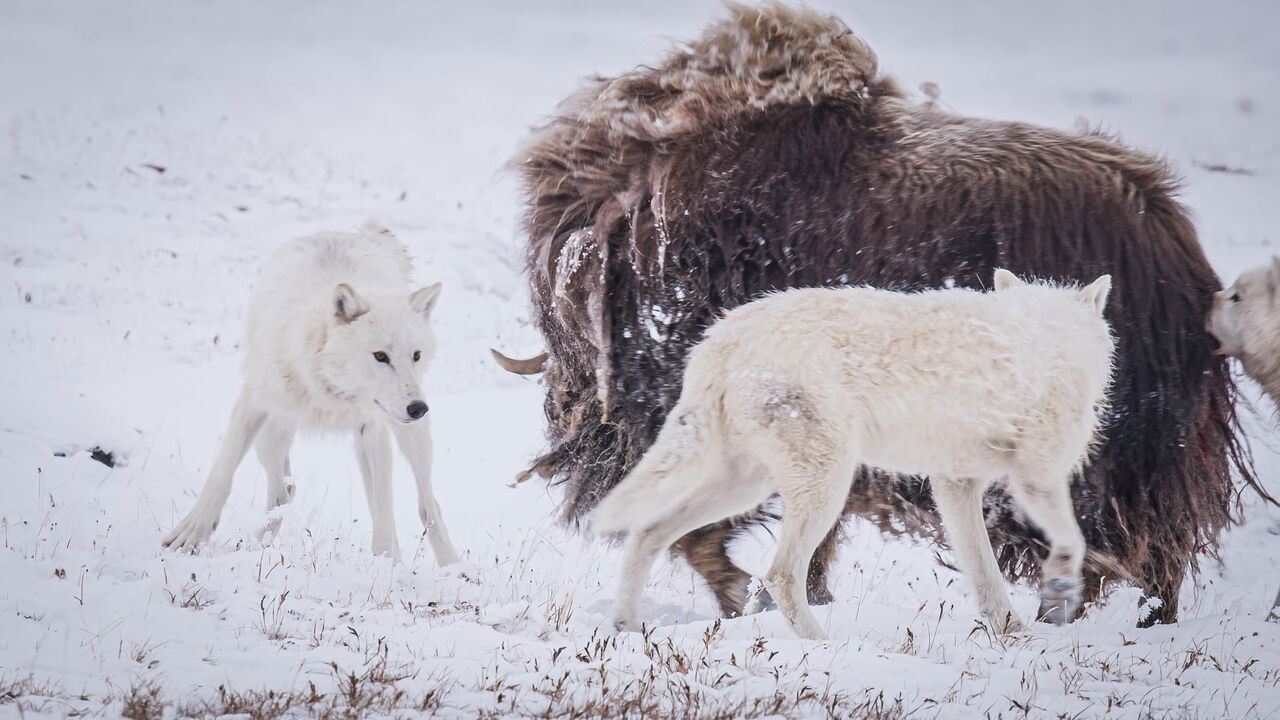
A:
(416, 409)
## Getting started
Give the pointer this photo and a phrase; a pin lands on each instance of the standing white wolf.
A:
(791, 393)
(334, 342)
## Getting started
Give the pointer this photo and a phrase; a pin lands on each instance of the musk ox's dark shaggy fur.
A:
(772, 153)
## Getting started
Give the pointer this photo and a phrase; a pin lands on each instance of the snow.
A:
(123, 294)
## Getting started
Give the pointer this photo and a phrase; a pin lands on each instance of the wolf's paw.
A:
(387, 547)
(194, 529)
(1005, 622)
(447, 556)
(282, 494)
(621, 625)
(1060, 598)
(271, 528)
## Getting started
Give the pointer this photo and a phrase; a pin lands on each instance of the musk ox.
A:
(772, 153)
(789, 394)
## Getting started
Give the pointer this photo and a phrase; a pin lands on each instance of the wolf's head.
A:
(1245, 318)
(376, 350)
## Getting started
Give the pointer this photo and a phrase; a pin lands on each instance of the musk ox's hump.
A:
(931, 140)
(893, 138)
(758, 58)
(903, 168)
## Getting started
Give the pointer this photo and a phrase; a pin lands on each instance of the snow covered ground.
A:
(154, 153)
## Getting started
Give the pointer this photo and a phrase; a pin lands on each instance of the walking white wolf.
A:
(334, 342)
(791, 393)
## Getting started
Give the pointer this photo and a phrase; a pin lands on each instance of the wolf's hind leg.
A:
(813, 498)
(199, 524)
(709, 498)
(1047, 501)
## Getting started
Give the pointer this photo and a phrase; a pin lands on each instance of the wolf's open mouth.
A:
(1215, 345)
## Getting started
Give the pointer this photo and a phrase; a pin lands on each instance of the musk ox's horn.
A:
(528, 366)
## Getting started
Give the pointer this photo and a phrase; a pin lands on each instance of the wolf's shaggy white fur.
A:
(334, 341)
(791, 393)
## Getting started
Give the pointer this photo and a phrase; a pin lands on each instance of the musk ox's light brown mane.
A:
(771, 153)
(751, 61)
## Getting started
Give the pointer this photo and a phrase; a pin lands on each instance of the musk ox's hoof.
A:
(1059, 600)
(820, 595)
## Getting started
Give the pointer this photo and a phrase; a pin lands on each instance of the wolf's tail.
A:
(681, 457)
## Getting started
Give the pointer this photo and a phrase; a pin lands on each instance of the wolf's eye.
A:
(382, 357)
(417, 355)
(1235, 297)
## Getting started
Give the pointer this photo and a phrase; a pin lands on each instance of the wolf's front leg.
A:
(959, 502)
(274, 441)
(199, 524)
(373, 451)
(415, 442)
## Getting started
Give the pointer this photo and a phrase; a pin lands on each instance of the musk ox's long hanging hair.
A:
(772, 153)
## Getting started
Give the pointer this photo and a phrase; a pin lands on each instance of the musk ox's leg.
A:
(711, 498)
(819, 591)
(1167, 588)
(959, 503)
(1048, 505)
(706, 551)
(813, 497)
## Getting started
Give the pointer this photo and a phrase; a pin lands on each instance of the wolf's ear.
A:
(1096, 292)
(424, 300)
(347, 303)
(1005, 280)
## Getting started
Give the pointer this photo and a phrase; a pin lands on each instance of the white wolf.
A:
(1245, 320)
(791, 393)
(334, 341)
